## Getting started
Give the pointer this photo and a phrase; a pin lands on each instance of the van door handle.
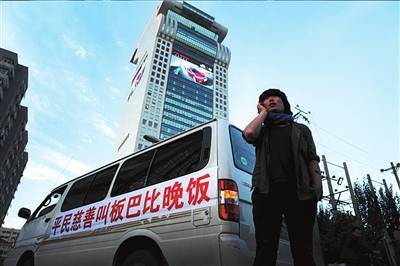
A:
(247, 184)
(47, 220)
(39, 240)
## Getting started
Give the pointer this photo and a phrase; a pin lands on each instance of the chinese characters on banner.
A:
(185, 193)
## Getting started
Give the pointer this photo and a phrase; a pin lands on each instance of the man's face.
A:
(274, 103)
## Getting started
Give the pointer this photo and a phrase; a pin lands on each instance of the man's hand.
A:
(318, 190)
(253, 129)
(260, 108)
(315, 174)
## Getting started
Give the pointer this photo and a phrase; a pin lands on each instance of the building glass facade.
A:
(185, 82)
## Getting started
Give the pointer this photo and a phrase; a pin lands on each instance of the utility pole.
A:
(394, 169)
(301, 113)
(332, 200)
(353, 198)
(386, 239)
(386, 187)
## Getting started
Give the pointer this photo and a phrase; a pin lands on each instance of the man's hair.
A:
(280, 94)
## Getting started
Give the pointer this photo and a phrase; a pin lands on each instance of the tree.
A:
(372, 221)
(333, 230)
(340, 233)
(391, 214)
(390, 210)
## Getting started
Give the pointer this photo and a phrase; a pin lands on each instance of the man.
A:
(286, 180)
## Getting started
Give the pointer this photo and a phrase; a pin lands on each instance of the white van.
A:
(184, 201)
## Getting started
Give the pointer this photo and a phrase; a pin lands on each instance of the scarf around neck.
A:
(278, 118)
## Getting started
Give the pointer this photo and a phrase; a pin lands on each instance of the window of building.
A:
(144, 121)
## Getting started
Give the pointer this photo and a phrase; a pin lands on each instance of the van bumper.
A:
(234, 251)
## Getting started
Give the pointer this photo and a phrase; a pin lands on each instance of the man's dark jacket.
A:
(304, 151)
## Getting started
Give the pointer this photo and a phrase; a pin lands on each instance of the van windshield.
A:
(243, 153)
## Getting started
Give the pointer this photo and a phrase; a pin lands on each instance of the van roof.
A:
(137, 152)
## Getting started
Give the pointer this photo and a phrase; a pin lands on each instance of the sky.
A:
(337, 60)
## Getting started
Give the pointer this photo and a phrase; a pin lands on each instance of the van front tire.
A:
(27, 261)
(141, 257)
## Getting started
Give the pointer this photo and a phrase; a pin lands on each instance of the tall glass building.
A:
(180, 78)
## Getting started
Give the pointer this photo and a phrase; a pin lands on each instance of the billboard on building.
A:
(137, 77)
(181, 66)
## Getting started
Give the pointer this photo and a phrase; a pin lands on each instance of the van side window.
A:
(48, 204)
(132, 174)
(76, 195)
(89, 189)
(100, 185)
(177, 158)
(244, 155)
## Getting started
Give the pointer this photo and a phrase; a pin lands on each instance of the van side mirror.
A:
(24, 213)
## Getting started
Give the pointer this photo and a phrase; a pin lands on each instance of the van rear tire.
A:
(141, 257)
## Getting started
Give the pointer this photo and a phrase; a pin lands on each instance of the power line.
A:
(347, 142)
(351, 158)
(378, 171)
(303, 114)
